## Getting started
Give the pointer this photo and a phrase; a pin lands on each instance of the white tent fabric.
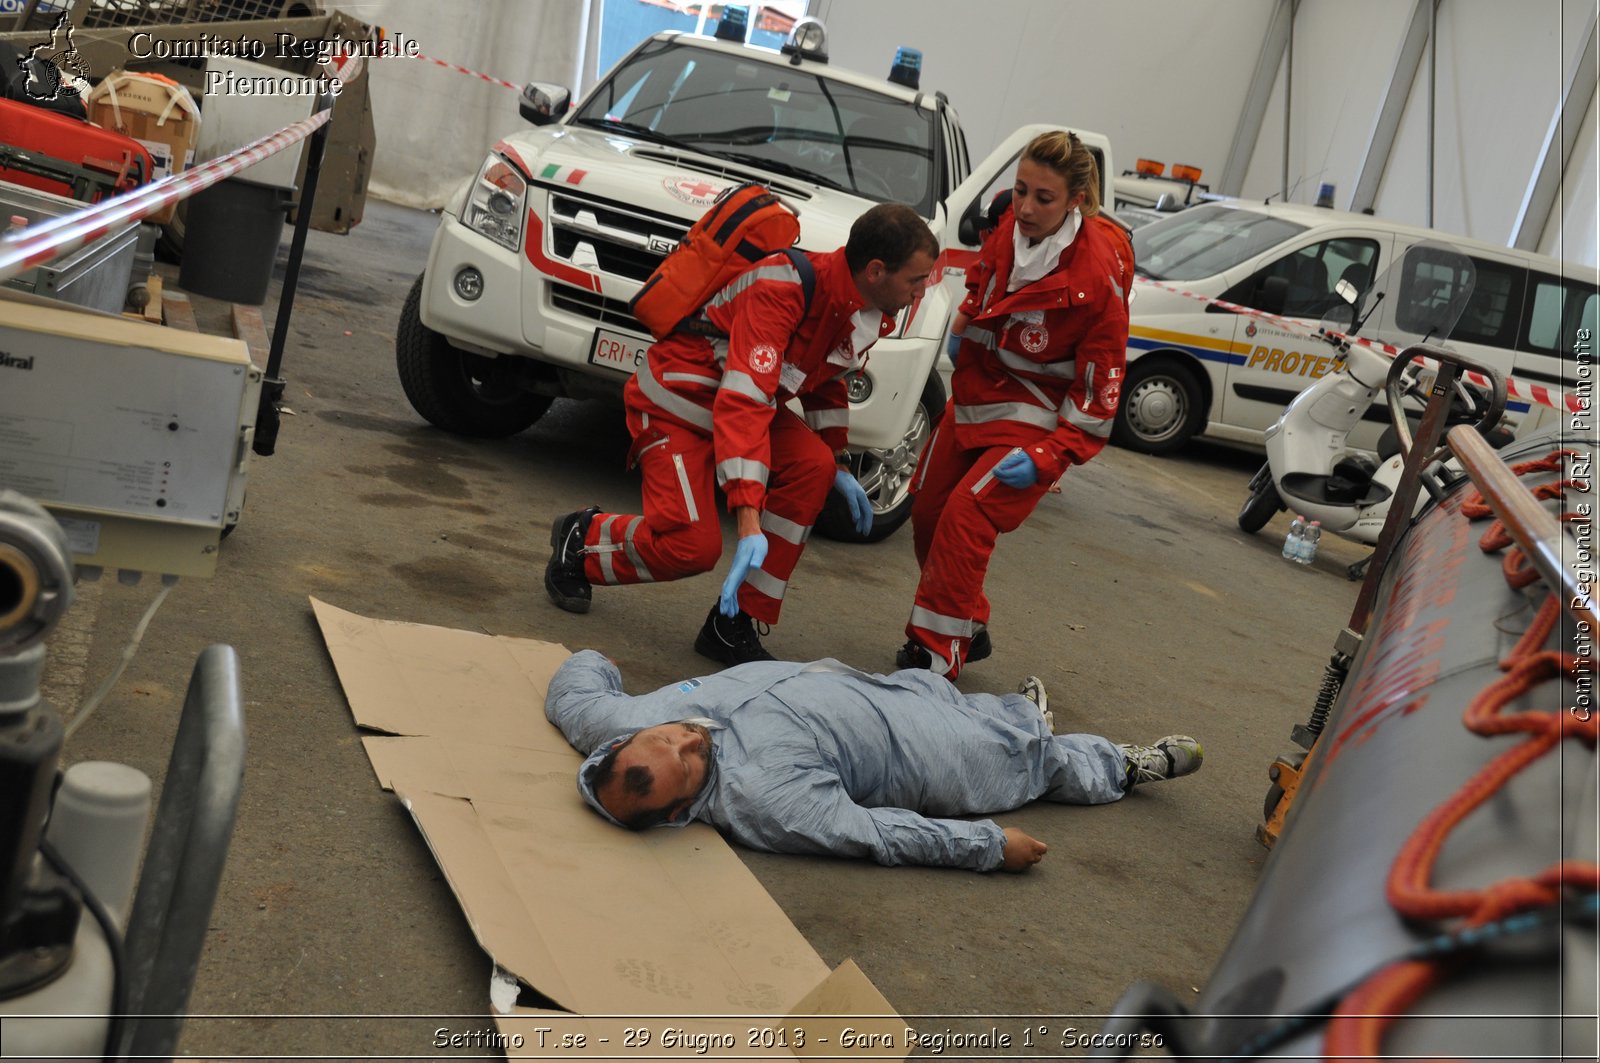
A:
(434, 125)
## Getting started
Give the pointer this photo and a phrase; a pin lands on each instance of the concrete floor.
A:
(1132, 594)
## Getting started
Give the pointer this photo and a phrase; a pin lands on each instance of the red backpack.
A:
(746, 224)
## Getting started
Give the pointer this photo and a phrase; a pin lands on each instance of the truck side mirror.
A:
(969, 232)
(542, 102)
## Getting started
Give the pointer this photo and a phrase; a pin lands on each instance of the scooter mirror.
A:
(1346, 291)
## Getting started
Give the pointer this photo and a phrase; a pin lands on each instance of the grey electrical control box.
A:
(135, 436)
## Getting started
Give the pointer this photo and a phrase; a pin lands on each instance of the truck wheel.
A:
(452, 389)
(1162, 407)
(1262, 504)
(886, 475)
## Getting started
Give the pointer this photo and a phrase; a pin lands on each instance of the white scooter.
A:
(1310, 464)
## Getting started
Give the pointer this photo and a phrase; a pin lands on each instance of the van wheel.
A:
(1262, 504)
(886, 475)
(1162, 408)
(452, 389)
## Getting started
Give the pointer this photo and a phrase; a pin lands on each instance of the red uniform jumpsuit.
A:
(710, 412)
(1038, 369)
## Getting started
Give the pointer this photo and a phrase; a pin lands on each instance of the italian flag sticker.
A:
(565, 174)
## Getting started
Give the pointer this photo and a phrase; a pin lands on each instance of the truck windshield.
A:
(758, 113)
(1205, 240)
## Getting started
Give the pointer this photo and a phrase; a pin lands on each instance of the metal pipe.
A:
(1433, 91)
(1403, 504)
(272, 384)
(1540, 534)
(1288, 97)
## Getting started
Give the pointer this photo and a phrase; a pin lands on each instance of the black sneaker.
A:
(730, 641)
(913, 655)
(564, 580)
(980, 647)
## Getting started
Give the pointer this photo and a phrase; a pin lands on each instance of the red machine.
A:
(67, 156)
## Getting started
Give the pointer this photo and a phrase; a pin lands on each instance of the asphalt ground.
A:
(1132, 593)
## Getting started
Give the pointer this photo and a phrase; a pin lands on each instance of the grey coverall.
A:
(820, 758)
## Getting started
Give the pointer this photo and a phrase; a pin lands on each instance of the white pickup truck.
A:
(525, 294)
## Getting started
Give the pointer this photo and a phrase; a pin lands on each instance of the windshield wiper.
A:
(781, 167)
(633, 129)
(1142, 271)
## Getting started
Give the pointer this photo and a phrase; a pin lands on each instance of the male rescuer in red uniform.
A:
(1044, 334)
(708, 412)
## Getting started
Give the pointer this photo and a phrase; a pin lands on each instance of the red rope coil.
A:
(1357, 1027)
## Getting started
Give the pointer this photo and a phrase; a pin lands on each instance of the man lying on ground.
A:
(820, 758)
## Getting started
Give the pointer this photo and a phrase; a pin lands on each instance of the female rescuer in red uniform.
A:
(1043, 338)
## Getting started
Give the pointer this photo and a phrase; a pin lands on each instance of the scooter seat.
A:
(1331, 490)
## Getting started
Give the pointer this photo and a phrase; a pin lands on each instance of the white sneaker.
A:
(1032, 688)
(1169, 758)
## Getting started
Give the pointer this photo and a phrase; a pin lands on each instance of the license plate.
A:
(617, 350)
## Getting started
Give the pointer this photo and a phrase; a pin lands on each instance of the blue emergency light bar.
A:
(907, 68)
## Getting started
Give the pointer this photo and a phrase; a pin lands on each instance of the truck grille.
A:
(626, 241)
(612, 313)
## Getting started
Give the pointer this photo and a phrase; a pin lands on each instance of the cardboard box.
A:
(566, 904)
(157, 112)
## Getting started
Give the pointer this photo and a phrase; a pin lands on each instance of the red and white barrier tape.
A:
(40, 243)
(490, 78)
(1554, 398)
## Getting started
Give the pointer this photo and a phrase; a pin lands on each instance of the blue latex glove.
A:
(751, 551)
(856, 498)
(1016, 469)
(951, 346)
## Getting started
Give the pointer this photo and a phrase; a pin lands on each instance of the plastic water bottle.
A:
(1292, 541)
(1308, 545)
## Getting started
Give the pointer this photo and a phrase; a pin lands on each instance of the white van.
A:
(1197, 369)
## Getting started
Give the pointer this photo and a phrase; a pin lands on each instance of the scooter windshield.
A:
(1418, 299)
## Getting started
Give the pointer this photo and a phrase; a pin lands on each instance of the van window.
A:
(1557, 310)
(1587, 318)
(1312, 272)
(1434, 285)
(1495, 306)
(1205, 240)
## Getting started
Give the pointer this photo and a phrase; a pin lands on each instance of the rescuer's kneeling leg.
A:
(678, 535)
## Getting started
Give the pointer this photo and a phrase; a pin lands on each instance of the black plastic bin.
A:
(230, 240)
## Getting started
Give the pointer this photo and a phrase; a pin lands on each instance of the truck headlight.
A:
(495, 204)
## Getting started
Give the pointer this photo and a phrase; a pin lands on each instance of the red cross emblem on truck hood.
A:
(693, 190)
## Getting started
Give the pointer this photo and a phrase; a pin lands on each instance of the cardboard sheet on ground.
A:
(664, 931)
